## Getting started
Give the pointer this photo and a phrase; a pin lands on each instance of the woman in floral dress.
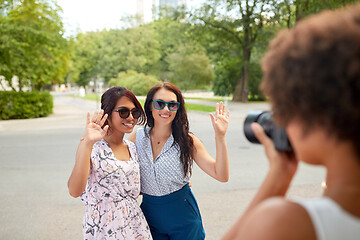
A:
(106, 171)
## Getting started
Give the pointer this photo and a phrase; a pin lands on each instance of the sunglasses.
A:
(160, 104)
(124, 112)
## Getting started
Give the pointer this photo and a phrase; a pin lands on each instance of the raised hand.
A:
(93, 132)
(221, 119)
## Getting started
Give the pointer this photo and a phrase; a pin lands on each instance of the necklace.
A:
(156, 141)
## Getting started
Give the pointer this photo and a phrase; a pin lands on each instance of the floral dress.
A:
(112, 211)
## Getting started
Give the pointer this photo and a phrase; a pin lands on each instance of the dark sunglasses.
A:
(124, 112)
(160, 104)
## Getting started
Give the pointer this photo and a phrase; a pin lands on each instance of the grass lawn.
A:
(210, 99)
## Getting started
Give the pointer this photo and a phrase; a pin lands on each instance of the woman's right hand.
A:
(282, 164)
(93, 132)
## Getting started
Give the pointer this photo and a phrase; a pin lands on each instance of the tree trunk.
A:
(237, 95)
(20, 84)
(242, 87)
(245, 91)
(246, 71)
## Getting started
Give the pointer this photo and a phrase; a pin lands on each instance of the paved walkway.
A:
(220, 204)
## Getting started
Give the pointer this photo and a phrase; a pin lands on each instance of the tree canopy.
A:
(217, 46)
(32, 46)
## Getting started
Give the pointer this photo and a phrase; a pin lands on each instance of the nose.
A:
(167, 106)
(130, 116)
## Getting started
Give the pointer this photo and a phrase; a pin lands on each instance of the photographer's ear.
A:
(260, 134)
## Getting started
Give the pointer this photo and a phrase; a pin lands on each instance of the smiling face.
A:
(119, 124)
(163, 116)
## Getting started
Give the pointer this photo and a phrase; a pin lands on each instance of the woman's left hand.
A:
(221, 119)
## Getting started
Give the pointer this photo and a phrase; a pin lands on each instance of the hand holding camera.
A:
(265, 119)
(259, 127)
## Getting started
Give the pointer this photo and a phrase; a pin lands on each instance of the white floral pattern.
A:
(112, 211)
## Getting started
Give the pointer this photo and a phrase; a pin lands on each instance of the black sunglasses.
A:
(124, 112)
(160, 104)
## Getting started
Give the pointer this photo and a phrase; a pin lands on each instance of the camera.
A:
(265, 119)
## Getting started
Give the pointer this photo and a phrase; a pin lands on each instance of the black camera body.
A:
(265, 119)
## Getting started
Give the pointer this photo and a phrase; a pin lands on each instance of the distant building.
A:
(166, 7)
(144, 10)
(149, 10)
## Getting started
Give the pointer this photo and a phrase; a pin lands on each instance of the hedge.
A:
(23, 105)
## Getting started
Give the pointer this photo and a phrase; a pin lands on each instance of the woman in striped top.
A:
(166, 151)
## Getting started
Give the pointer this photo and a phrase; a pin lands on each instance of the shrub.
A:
(138, 83)
(23, 105)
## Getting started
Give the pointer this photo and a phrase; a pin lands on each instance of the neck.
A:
(343, 178)
(114, 138)
(161, 132)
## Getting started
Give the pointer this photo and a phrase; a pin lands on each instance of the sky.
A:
(93, 15)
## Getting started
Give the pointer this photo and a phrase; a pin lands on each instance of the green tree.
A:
(236, 33)
(190, 71)
(291, 11)
(138, 83)
(32, 46)
(241, 22)
(151, 49)
(129, 49)
(183, 60)
(85, 58)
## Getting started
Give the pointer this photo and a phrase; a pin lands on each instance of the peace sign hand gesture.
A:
(93, 132)
(220, 121)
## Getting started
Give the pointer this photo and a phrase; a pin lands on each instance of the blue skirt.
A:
(175, 216)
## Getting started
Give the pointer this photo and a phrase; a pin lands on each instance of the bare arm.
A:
(217, 168)
(80, 173)
(282, 169)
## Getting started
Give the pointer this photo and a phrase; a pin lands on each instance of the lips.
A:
(128, 124)
(164, 115)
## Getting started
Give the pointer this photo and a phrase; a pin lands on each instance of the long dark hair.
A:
(110, 98)
(179, 126)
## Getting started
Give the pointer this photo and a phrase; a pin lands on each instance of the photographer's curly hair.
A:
(179, 126)
(311, 73)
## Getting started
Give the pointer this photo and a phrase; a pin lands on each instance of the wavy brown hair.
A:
(110, 98)
(312, 74)
(179, 126)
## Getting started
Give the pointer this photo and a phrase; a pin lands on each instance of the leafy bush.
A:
(138, 83)
(23, 105)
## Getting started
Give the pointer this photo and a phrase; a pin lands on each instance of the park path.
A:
(37, 155)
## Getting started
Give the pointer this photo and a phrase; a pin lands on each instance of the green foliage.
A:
(32, 46)
(190, 71)
(219, 45)
(164, 48)
(255, 79)
(138, 83)
(288, 12)
(129, 49)
(22, 105)
(227, 73)
(85, 58)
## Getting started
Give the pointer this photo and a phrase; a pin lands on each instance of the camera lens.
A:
(265, 119)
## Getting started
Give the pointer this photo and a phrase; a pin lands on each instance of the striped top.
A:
(165, 174)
